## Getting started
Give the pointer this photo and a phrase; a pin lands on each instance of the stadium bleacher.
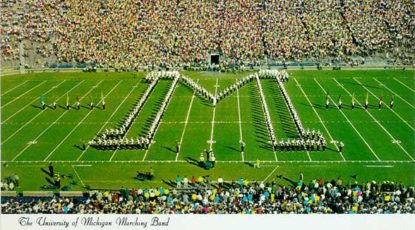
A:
(242, 196)
(210, 35)
(57, 33)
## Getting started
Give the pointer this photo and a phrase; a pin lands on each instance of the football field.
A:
(379, 143)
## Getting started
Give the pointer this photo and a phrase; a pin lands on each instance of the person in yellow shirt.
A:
(258, 162)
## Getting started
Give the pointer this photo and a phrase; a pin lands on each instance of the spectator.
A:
(251, 198)
(131, 34)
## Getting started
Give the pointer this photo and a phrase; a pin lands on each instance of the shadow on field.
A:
(260, 134)
(314, 105)
(36, 106)
(233, 148)
(287, 122)
(150, 119)
(195, 162)
(169, 149)
(64, 107)
(81, 147)
(249, 164)
(46, 172)
(288, 179)
(169, 183)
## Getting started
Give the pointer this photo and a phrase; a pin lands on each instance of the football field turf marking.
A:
(53, 123)
(380, 125)
(239, 117)
(386, 106)
(77, 175)
(211, 141)
(331, 138)
(379, 166)
(269, 127)
(106, 122)
(404, 85)
(29, 122)
(134, 121)
(384, 86)
(16, 98)
(8, 91)
(266, 178)
(30, 103)
(186, 121)
(221, 162)
(171, 89)
(74, 128)
(351, 124)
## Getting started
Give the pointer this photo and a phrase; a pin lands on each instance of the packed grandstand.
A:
(201, 196)
(129, 34)
(132, 34)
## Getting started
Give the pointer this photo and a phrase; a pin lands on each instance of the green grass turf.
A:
(31, 137)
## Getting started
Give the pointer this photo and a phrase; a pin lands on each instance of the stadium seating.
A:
(243, 197)
(135, 33)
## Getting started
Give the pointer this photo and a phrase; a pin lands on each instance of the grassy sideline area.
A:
(379, 143)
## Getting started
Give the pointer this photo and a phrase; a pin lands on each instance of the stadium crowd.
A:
(202, 196)
(133, 33)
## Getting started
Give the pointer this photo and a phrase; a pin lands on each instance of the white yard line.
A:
(144, 157)
(186, 122)
(413, 129)
(351, 124)
(74, 128)
(8, 91)
(397, 95)
(379, 166)
(222, 162)
(404, 85)
(8, 103)
(142, 107)
(53, 123)
(265, 108)
(174, 85)
(106, 122)
(76, 172)
(266, 178)
(213, 117)
(29, 122)
(240, 120)
(134, 122)
(321, 121)
(380, 125)
(30, 103)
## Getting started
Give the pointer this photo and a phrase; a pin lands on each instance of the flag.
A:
(77, 98)
(367, 98)
(353, 98)
(67, 99)
(42, 99)
(340, 99)
(102, 97)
